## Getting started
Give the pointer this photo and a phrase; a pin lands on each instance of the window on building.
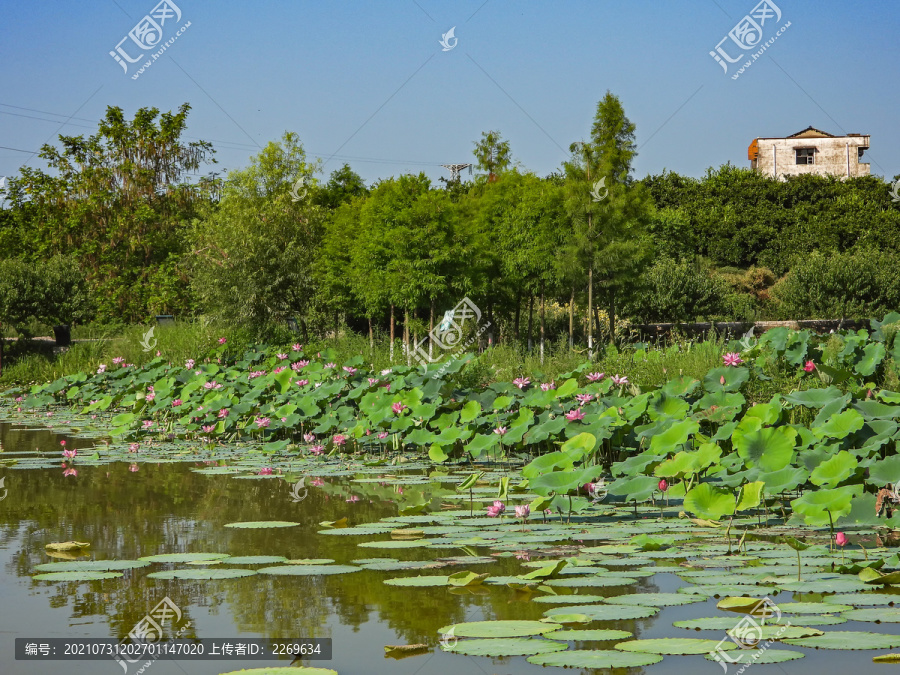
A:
(859, 155)
(806, 155)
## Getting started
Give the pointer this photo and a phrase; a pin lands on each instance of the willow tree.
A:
(121, 202)
(609, 213)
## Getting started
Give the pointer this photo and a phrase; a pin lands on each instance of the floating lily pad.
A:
(719, 591)
(842, 585)
(201, 574)
(396, 543)
(862, 599)
(600, 581)
(91, 566)
(879, 614)
(308, 570)
(183, 557)
(283, 671)
(505, 647)
(262, 524)
(596, 635)
(605, 612)
(310, 561)
(76, 576)
(753, 656)
(655, 599)
(424, 581)
(812, 607)
(780, 632)
(498, 629)
(675, 646)
(568, 599)
(848, 640)
(595, 659)
(256, 560)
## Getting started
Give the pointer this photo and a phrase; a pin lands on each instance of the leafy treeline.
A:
(563, 257)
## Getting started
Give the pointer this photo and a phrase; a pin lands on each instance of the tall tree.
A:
(492, 154)
(609, 212)
(254, 255)
(120, 200)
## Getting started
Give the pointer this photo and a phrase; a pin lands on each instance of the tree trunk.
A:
(392, 333)
(572, 319)
(590, 326)
(430, 328)
(336, 322)
(597, 317)
(542, 323)
(530, 318)
(305, 329)
(518, 312)
(371, 338)
(612, 319)
(406, 333)
(491, 326)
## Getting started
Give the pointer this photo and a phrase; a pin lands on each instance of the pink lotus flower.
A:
(70, 472)
(339, 439)
(118, 360)
(309, 438)
(583, 398)
(382, 435)
(809, 367)
(386, 371)
(497, 508)
(267, 471)
(296, 367)
(521, 382)
(523, 555)
(547, 386)
(349, 370)
(69, 454)
(282, 357)
(619, 381)
(189, 364)
(150, 397)
(208, 429)
(134, 447)
(62, 443)
(177, 402)
(575, 415)
(372, 381)
(279, 369)
(841, 539)
(101, 369)
(297, 347)
(663, 485)
(500, 430)
(353, 499)
(256, 373)
(133, 467)
(148, 424)
(302, 383)
(222, 341)
(223, 413)
(302, 363)
(398, 408)
(317, 449)
(595, 377)
(523, 511)
(732, 359)
(317, 482)
(262, 422)
(329, 365)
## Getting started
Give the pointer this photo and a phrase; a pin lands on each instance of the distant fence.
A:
(654, 331)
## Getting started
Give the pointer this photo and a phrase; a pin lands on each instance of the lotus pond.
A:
(429, 527)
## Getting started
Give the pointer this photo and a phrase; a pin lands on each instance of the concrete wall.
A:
(830, 156)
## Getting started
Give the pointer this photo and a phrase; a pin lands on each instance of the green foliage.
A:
(670, 291)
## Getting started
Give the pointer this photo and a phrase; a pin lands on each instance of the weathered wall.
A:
(830, 157)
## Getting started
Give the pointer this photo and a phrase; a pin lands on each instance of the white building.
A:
(810, 151)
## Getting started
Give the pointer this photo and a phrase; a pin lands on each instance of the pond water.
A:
(170, 508)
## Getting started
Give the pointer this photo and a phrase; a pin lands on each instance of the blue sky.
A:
(368, 82)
